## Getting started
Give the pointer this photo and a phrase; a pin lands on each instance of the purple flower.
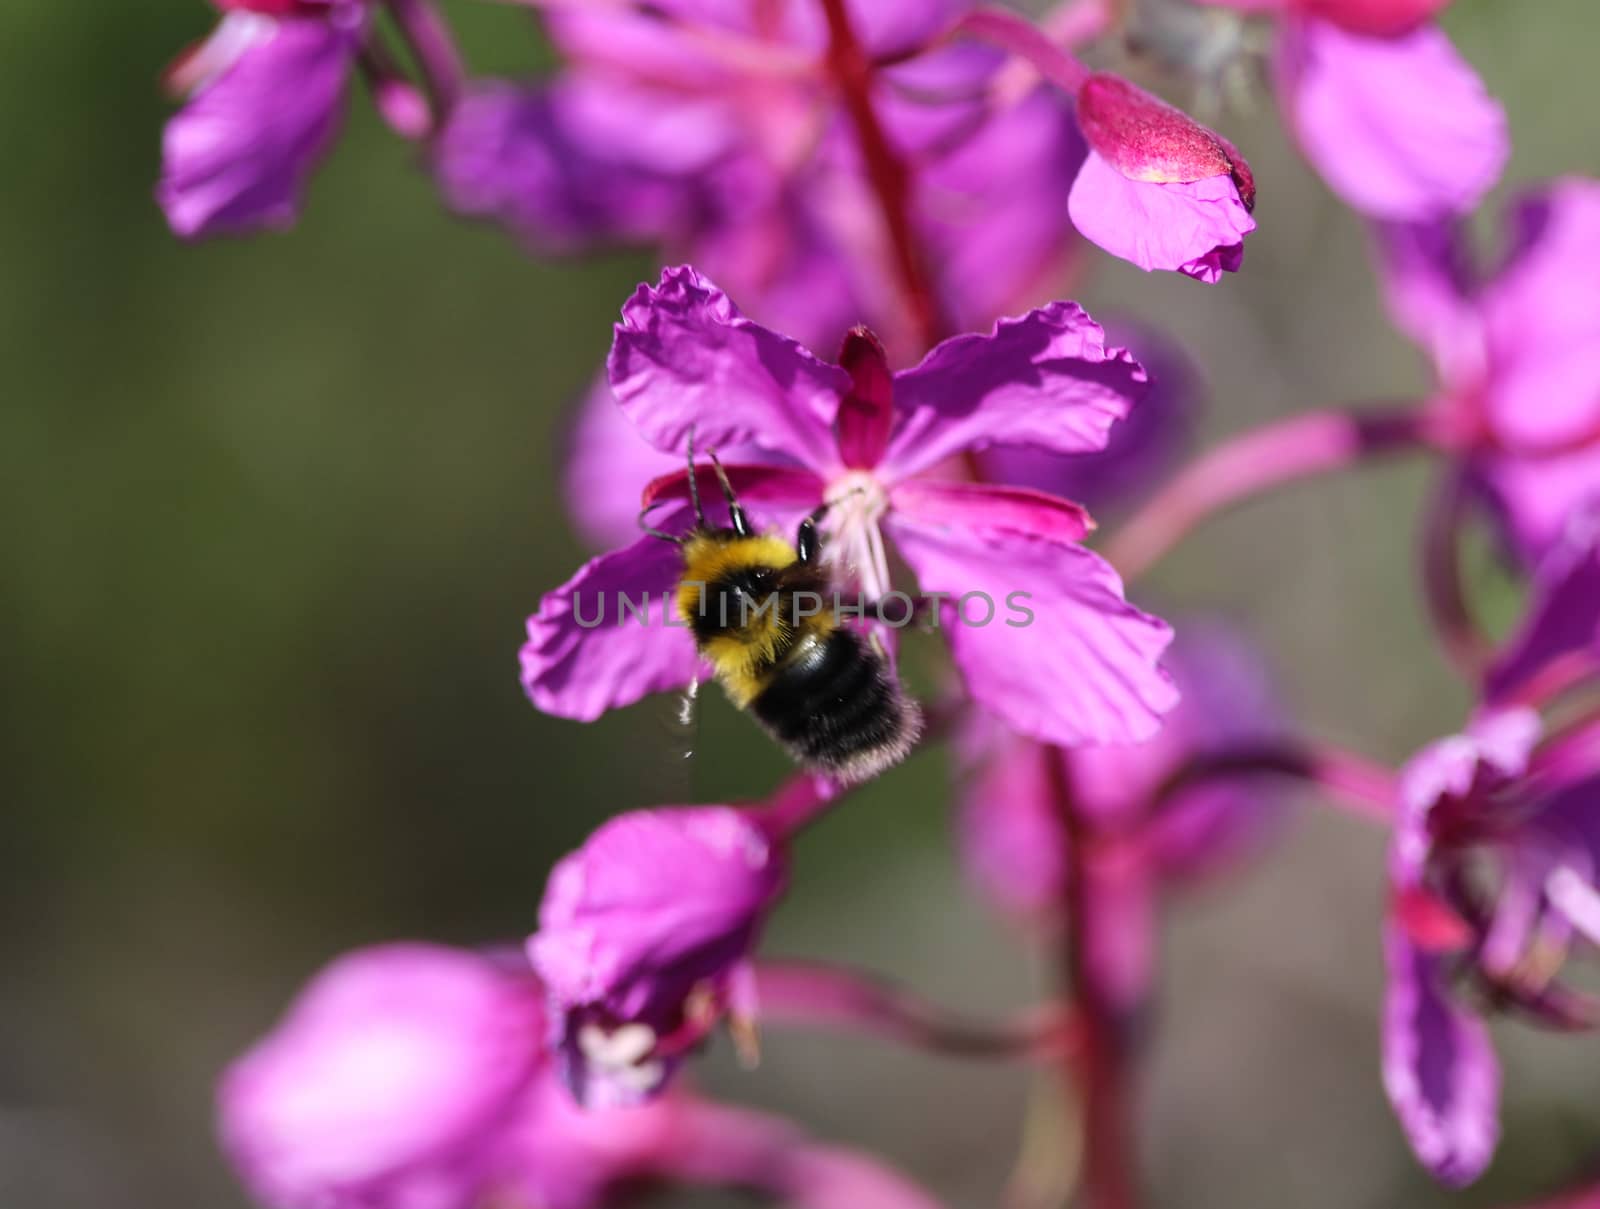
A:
(1084, 668)
(1157, 188)
(267, 100)
(1401, 128)
(1013, 837)
(381, 1086)
(1513, 352)
(1493, 863)
(644, 939)
(1381, 18)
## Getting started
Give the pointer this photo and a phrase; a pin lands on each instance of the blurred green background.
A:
(274, 512)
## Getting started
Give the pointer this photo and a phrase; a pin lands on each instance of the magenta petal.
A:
(1563, 614)
(685, 359)
(1543, 321)
(952, 504)
(1142, 448)
(1535, 498)
(1400, 128)
(1196, 228)
(238, 156)
(606, 460)
(1045, 380)
(1063, 658)
(1009, 830)
(1439, 1067)
(587, 652)
(1430, 293)
(386, 1082)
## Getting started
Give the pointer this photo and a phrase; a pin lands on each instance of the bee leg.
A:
(686, 704)
(807, 541)
(740, 522)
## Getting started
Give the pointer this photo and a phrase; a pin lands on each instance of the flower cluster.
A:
(869, 210)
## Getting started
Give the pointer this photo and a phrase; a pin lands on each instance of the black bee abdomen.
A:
(836, 706)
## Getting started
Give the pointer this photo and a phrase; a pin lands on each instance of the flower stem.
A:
(1014, 33)
(1255, 462)
(1363, 788)
(1100, 1066)
(811, 994)
(851, 71)
(433, 48)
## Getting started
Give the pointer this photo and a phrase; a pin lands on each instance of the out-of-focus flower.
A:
(267, 94)
(1493, 863)
(1082, 668)
(717, 132)
(1157, 188)
(1386, 110)
(644, 942)
(385, 1083)
(1514, 354)
(414, 1076)
(1013, 816)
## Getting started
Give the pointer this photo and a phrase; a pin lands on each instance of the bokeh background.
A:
(274, 512)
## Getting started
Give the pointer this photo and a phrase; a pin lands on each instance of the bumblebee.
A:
(765, 615)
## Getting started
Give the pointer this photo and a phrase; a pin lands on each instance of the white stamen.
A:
(857, 503)
(618, 1051)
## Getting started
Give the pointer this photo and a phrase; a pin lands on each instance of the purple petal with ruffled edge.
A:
(1542, 320)
(1196, 228)
(587, 652)
(1400, 128)
(1141, 448)
(238, 156)
(1045, 380)
(1563, 612)
(386, 1083)
(684, 359)
(1084, 668)
(1439, 1067)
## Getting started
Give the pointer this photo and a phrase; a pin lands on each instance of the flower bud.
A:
(643, 942)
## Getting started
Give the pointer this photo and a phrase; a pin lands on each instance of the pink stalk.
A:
(1254, 462)
(1014, 33)
(1361, 787)
(813, 995)
(434, 49)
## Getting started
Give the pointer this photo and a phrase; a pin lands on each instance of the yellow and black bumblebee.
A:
(765, 615)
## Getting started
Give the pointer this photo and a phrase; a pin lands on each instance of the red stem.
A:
(1358, 785)
(1100, 1066)
(851, 71)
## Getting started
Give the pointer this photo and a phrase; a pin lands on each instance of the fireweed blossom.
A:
(1388, 113)
(1494, 863)
(809, 163)
(1513, 352)
(644, 941)
(1016, 837)
(863, 440)
(413, 1076)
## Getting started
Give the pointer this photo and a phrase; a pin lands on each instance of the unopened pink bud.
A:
(1145, 139)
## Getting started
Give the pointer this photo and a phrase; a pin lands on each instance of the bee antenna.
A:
(675, 538)
(741, 525)
(694, 484)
